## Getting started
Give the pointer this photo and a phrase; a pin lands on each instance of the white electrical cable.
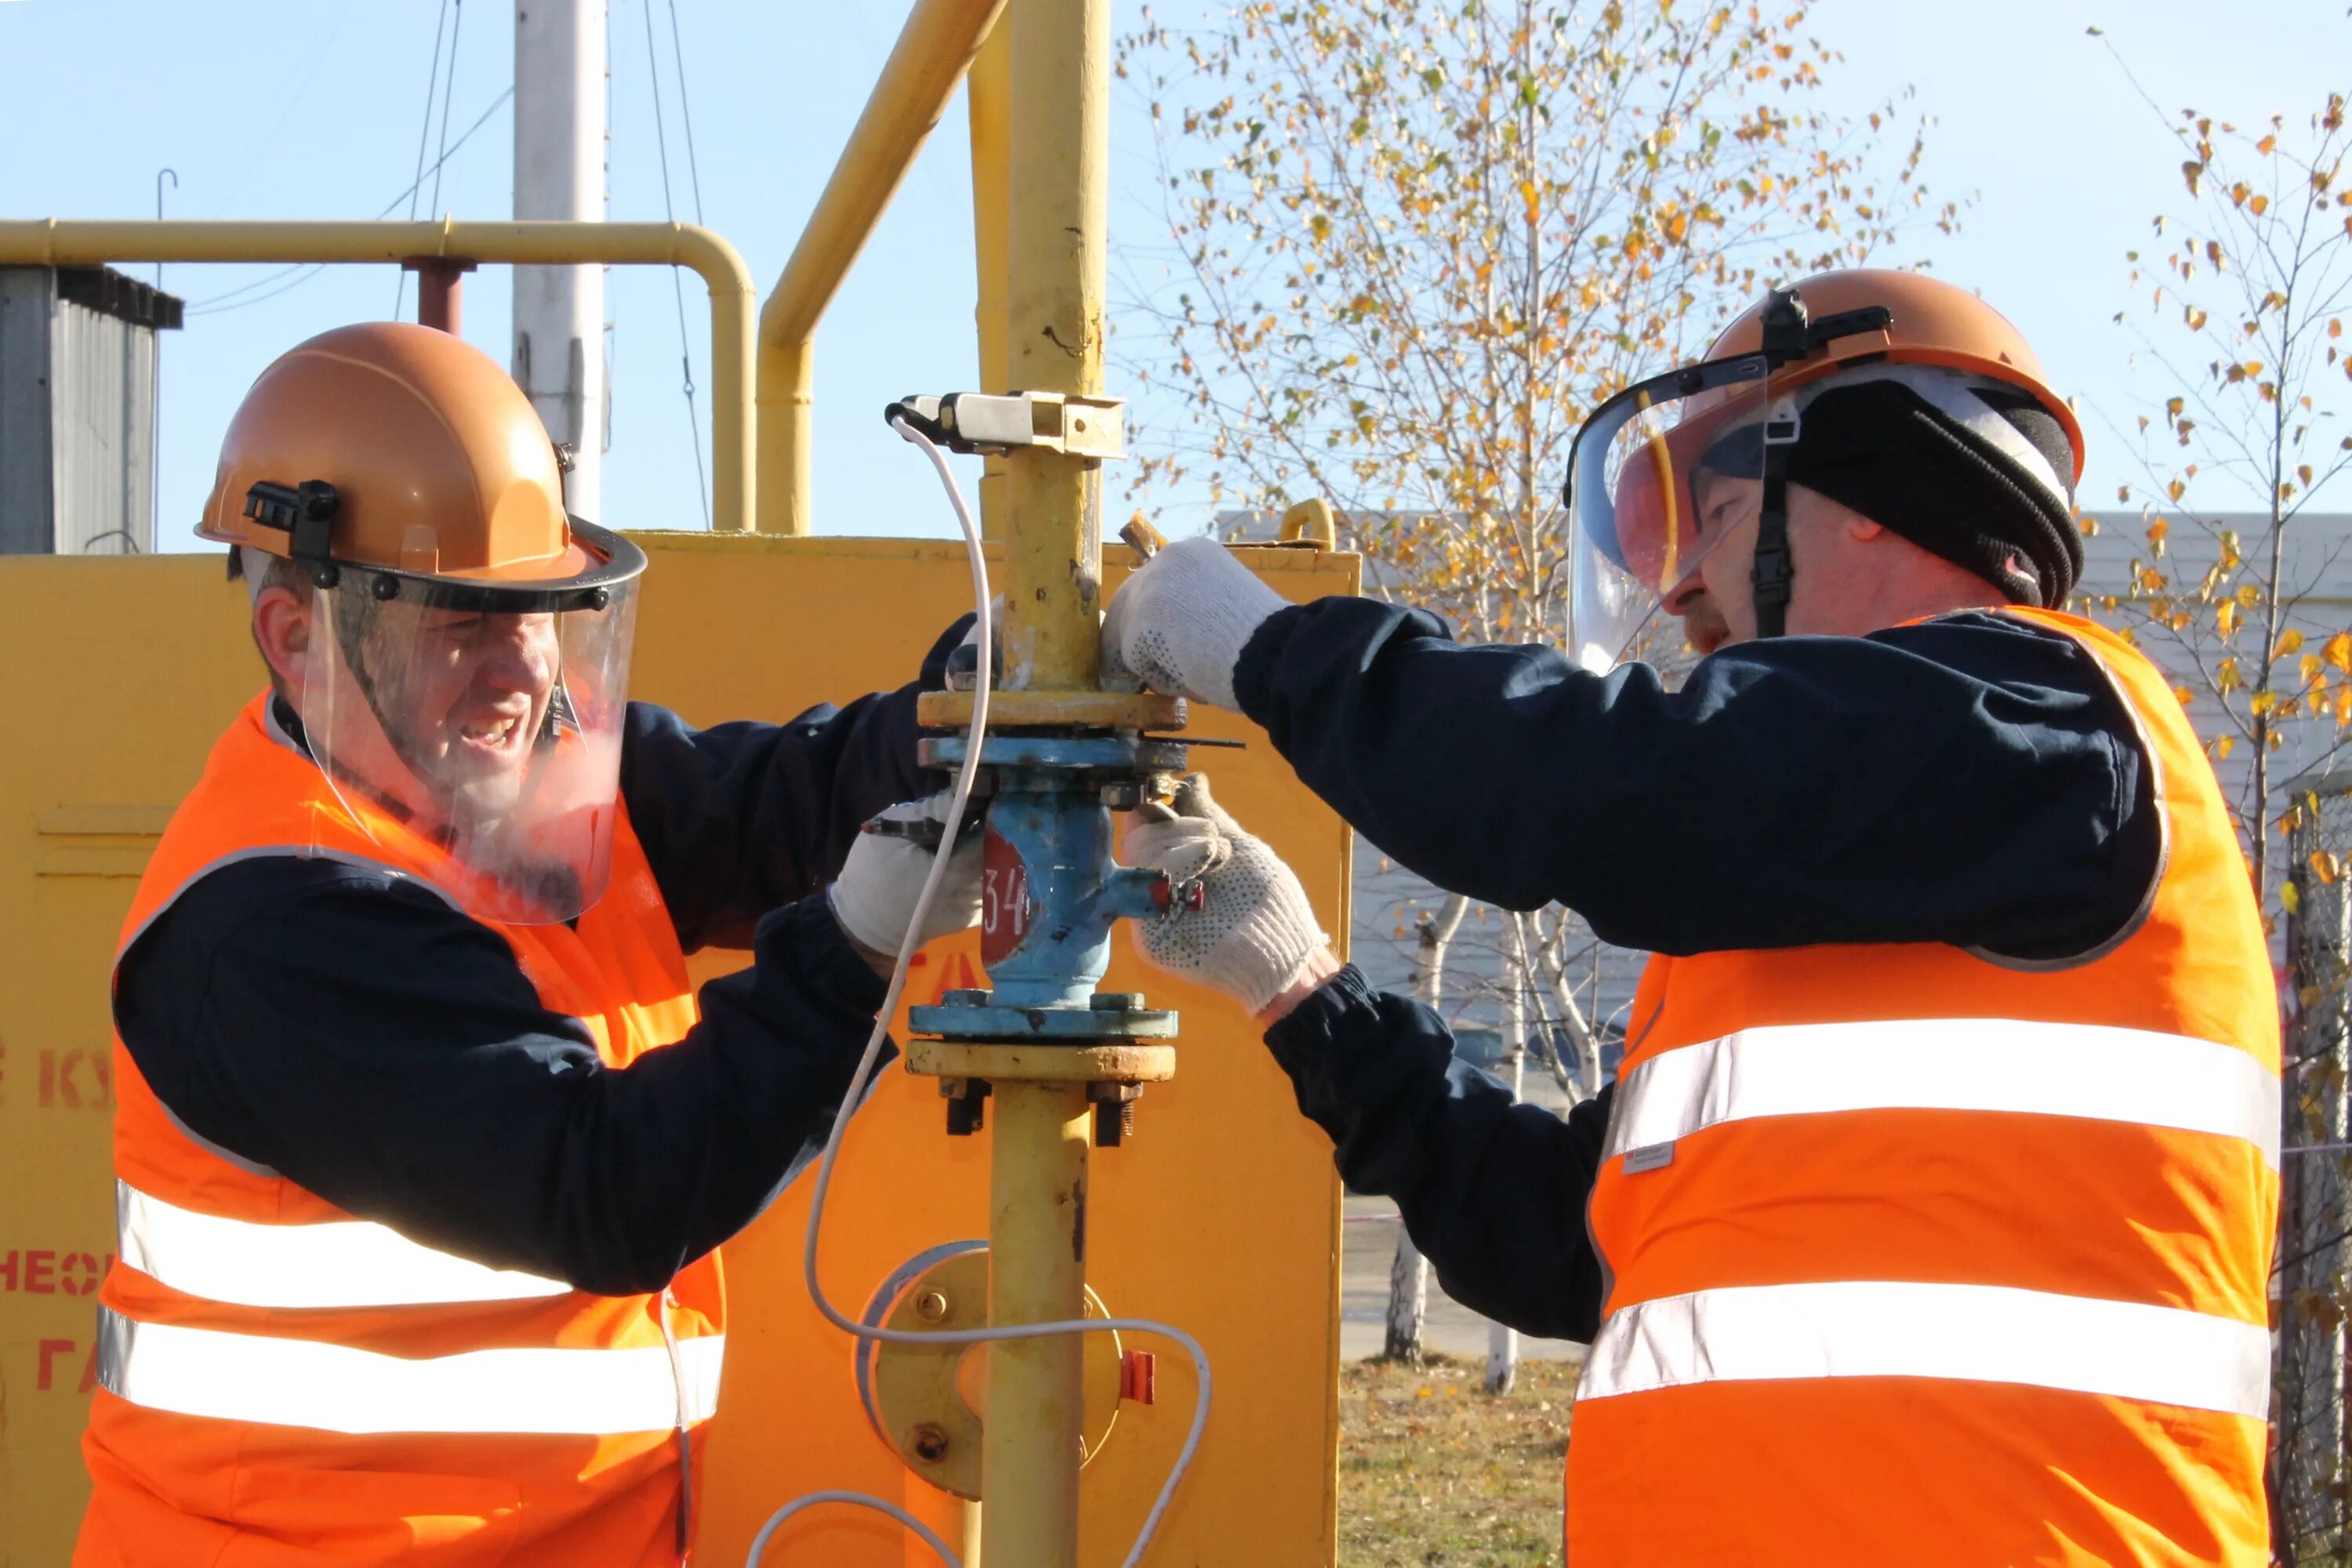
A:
(855, 1499)
(985, 635)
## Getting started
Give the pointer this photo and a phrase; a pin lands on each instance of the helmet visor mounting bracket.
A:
(305, 513)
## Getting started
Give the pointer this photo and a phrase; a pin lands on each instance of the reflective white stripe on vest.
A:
(1977, 1334)
(334, 1388)
(340, 1263)
(1950, 1063)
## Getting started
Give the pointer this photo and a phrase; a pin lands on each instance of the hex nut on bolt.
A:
(928, 1442)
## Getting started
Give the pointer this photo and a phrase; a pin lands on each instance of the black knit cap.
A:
(1877, 446)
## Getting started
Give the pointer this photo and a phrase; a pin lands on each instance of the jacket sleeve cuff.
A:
(1351, 1051)
(1325, 1015)
(1254, 670)
(830, 966)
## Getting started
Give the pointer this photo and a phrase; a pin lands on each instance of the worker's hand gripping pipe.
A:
(961, 794)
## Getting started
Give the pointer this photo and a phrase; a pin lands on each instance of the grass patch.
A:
(1434, 1474)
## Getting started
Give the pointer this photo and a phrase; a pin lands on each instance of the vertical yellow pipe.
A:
(1057, 203)
(1059, 212)
(989, 89)
(1038, 1241)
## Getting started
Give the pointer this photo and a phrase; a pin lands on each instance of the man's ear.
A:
(281, 630)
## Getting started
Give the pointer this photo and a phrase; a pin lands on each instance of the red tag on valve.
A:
(1003, 899)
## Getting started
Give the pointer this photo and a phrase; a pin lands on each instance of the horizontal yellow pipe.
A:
(54, 242)
(933, 51)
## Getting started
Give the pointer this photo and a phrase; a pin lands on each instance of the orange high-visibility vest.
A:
(280, 1382)
(1920, 1255)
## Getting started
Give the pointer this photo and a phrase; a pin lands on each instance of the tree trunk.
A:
(1408, 1301)
(1409, 1275)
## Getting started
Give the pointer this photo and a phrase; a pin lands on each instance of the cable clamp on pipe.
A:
(994, 424)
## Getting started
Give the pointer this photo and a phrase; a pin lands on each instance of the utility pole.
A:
(559, 164)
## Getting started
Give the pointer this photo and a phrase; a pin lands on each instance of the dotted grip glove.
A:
(874, 897)
(1254, 934)
(1179, 625)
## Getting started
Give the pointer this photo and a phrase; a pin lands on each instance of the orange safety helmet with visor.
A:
(1665, 471)
(463, 666)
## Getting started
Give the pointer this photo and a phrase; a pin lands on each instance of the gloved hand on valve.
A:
(1180, 623)
(874, 898)
(1252, 935)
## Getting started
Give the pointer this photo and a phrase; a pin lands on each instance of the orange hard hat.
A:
(1932, 322)
(405, 452)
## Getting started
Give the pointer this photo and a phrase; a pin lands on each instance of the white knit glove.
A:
(874, 897)
(964, 679)
(1180, 623)
(1254, 935)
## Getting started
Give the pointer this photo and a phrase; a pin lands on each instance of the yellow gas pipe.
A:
(1057, 221)
(55, 242)
(989, 96)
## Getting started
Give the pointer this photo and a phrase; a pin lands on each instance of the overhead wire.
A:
(685, 110)
(669, 213)
(448, 91)
(292, 102)
(423, 130)
(310, 270)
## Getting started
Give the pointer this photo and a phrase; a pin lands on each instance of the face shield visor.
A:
(1659, 478)
(480, 725)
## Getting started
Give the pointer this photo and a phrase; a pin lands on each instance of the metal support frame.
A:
(440, 291)
(54, 242)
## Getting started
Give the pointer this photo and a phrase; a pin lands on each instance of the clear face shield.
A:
(1659, 478)
(484, 724)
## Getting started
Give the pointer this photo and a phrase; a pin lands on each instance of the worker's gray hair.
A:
(260, 570)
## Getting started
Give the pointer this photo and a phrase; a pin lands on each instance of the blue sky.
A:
(312, 109)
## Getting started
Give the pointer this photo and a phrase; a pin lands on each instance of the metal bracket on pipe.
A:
(994, 424)
(914, 1393)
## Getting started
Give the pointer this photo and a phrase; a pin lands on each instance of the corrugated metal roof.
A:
(120, 296)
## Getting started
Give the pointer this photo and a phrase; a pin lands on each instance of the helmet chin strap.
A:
(1771, 578)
